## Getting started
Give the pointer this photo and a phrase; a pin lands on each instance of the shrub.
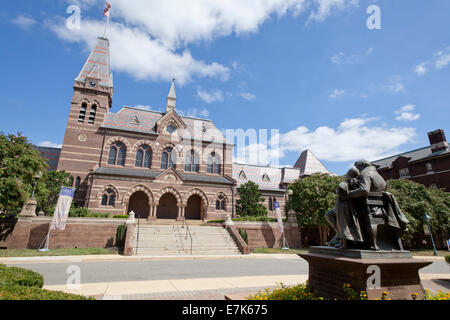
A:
(21, 277)
(16, 292)
(298, 292)
(447, 258)
(244, 235)
(120, 216)
(120, 236)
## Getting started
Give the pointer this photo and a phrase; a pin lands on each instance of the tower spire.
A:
(171, 98)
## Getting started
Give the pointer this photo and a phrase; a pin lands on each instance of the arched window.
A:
(221, 203)
(144, 157)
(109, 198)
(77, 182)
(213, 165)
(168, 159)
(117, 154)
(191, 162)
(270, 204)
(92, 113)
(82, 112)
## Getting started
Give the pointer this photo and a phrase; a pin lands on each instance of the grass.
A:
(279, 250)
(54, 252)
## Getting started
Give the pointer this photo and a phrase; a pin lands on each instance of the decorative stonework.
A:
(151, 144)
(126, 197)
(172, 191)
(106, 187)
(115, 139)
(82, 138)
(198, 192)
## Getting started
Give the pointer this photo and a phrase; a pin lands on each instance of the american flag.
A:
(106, 11)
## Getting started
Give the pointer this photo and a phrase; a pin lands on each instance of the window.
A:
(191, 162)
(272, 202)
(77, 182)
(82, 112)
(117, 154)
(404, 172)
(265, 178)
(92, 113)
(171, 128)
(429, 167)
(168, 159)
(144, 157)
(242, 175)
(213, 165)
(221, 203)
(109, 198)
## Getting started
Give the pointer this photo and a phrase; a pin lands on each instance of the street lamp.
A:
(36, 177)
(290, 193)
(428, 219)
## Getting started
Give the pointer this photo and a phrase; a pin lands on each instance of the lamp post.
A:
(36, 177)
(290, 193)
(428, 219)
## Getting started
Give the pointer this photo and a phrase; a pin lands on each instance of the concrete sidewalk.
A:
(116, 257)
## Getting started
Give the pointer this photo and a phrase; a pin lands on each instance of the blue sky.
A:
(308, 68)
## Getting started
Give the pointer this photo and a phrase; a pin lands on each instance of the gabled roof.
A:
(414, 155)
(309, 164)
(256, 174)
(124, 120)
(97, 64)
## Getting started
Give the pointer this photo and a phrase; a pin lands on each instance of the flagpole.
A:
(106, 25)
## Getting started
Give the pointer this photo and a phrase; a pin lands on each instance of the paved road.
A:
(115, 271)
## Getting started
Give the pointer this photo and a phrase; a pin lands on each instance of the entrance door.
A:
(194, 207)
(139, 204)
(167, 208)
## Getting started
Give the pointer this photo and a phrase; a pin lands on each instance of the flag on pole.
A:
(62, 209)
(279, 218)
(106, 11)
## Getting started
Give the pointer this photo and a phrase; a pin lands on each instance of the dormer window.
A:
(242, 175)
(265, 178)
(171, 128)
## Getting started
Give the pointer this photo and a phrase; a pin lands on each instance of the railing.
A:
(137, 236)
(187, 231)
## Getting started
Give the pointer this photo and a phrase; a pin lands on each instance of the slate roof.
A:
(97, 64)
(147, 119)
(255, 173)
(150, 174)
(309, 164)
(413, 155)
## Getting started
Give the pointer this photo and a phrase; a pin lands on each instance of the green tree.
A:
(49, 187)
(415, 200)
(20, 162)
(312, 197)
(250, 202)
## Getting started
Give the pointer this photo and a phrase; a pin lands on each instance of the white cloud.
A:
(149, 39)
(195, 113)
(24, 22)
(136, 53)
(395, 86)
(327, 7)
(353, 139)
(405, 113)
(49, 144)
(248, 96)
(337, 58)
(210, 96)
(336, 93)
(421, 68)
(442, 58)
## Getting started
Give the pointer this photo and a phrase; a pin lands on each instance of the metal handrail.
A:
(137, 237)
(188, 231)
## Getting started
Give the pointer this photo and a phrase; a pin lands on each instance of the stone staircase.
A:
(162, 240)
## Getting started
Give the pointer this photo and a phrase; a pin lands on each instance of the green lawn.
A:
(278, 250)
(441, 253)
(54, 252)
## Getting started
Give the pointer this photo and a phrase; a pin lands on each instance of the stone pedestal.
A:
(29, 208)
(330, 268)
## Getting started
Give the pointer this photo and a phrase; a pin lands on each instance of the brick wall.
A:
(79, 233)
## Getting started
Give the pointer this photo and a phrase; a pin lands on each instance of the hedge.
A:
(22, 284)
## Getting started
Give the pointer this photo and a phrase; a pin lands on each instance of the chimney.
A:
(438, 141)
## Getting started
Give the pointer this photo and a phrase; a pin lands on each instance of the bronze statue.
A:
(366, 216)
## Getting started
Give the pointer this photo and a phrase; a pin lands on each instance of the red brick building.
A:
(161, 165)
(429, 166)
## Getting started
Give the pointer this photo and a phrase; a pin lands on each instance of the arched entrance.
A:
(139, 203)
(167, 208)
(194, 207)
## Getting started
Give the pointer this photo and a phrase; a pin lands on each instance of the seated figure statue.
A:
(362, 206)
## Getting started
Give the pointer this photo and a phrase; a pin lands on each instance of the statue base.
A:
(331, 268)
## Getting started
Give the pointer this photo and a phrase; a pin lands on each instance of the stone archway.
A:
(139, 203)
(168, 207)
(194, 208)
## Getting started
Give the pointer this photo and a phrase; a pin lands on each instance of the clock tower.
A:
(91, 101)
